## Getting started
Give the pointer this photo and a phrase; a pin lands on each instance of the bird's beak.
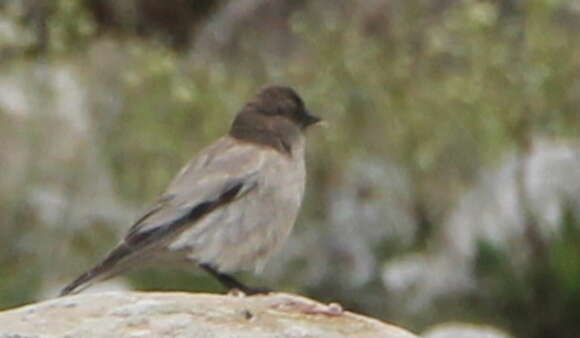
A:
(310, 119)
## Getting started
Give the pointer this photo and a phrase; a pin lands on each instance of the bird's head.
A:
(276, 117)
(284, 102)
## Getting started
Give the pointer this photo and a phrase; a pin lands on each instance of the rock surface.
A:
(464, 330)
(134, 314)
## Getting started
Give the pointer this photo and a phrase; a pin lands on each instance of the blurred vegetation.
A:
(540, 300)
(442, 89)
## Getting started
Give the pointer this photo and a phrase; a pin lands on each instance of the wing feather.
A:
(221, 174)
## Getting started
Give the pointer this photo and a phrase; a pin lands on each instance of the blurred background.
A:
(446, 187)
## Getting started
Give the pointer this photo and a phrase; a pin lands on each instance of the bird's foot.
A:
(242, 290)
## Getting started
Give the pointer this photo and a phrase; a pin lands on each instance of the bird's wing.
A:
(221, 174)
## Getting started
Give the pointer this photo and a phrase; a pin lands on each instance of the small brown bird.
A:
(230, 207)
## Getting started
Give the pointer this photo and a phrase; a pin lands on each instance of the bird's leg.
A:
(231, 283)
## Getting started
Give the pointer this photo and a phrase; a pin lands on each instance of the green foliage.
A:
(69, 26)
(540, 298)
(19, 267)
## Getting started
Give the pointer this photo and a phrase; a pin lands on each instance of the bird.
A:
(232, 206)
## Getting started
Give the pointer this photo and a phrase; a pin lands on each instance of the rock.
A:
(175, 314)
(464, 330)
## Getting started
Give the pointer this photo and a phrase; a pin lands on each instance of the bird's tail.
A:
(109, 267)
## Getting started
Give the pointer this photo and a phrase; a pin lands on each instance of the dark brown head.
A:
(275, 117)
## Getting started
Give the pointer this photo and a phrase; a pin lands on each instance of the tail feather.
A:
(108, 268)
